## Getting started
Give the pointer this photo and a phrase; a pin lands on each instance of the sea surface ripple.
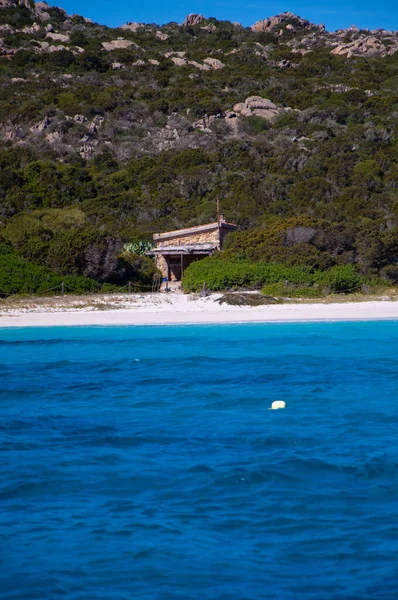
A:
(143, 462)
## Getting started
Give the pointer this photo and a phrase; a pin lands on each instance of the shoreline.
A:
(178, 309)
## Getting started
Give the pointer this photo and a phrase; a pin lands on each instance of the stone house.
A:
(175, 250)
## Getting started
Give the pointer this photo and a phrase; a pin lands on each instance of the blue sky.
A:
(335, 14)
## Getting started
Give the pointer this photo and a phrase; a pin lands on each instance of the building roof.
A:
(192, 230)
(183, 249)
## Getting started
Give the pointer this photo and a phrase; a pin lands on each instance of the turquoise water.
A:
(144, 462)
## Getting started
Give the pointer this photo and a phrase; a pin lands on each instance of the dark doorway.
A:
(175, 268)
(178, 264)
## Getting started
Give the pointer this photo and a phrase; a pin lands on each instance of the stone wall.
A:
(206, 237)
(161, 264)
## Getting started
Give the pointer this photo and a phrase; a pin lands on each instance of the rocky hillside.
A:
(78, 87)
(131, 130)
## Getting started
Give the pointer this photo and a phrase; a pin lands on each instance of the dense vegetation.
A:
(301, 256)
(93, 158)
(277, 280)
(19, 276)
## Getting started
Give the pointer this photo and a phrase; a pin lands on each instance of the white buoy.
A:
(278, 404)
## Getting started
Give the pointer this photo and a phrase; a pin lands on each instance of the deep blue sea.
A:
(143, 462)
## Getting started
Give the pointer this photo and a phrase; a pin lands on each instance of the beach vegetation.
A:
(248, 299)
(19, 276)
(286, 290)
(219, 274)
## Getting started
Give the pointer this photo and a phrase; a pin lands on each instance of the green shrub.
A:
(218, 274)
(5, 249)
(253, 125)
(17, 16)
(140, 247)
(186, 159)
(140, 269)
(339, 279)
(19, 276)
(247, 299)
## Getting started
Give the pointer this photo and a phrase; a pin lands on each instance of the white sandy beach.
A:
(173, 309)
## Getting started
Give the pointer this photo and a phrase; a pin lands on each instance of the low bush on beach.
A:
(19, 276)
(248, 299)
(218, 274)
(339, 279)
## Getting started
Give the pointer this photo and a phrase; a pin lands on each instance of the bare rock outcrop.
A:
(41, 11)
(180, 62)
(12, 3)
(254, 106)
(199, 66)
(6, 52)
(204, 124)
(273, 23)
(86, 149)
(59, 48)
(169, 133)
(162, 36)
(41, 126)
(231, 118)
(214, 63)
(178, 58)
(366, 46)
(33, 29)
(54, 136)
(6, 30)
(258, 107)
(209, 28)
(129, 26)
(193, 19)
(10, 132)
(57, 37)
(118, 44)
(46, 47)
(179, 54)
